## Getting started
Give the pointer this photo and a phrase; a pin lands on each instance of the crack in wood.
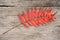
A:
(7, 6)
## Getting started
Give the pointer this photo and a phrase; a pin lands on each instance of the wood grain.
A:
(9, 18)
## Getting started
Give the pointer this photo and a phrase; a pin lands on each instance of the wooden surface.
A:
(9, 9)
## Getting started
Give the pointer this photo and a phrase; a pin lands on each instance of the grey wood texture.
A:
(9, 19)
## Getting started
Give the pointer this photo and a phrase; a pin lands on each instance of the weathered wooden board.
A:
(30, 2)
(9, 19)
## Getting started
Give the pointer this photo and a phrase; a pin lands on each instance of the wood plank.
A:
(30, 3)
(49, 31)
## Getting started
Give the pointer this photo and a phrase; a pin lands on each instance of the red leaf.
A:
(22, 20)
